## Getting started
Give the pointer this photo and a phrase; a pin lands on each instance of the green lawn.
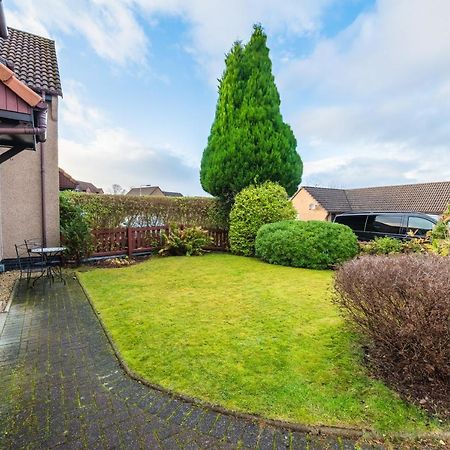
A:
(247, 335)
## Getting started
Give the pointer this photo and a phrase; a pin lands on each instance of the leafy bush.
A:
(401, 306)
(312, 244)
(185, 241)
(112, 211)
(74, 227)
(382, 246)
(255, 206)
(387, 246)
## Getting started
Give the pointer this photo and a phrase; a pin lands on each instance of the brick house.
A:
(318, 203)
(68, 183)
(152, 191)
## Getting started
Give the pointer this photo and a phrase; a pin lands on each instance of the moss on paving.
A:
(246, 335)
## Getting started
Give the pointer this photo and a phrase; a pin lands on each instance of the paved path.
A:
(61, 386)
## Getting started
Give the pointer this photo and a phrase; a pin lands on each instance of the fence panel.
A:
(109, 241)
(219, 239)
(147, 238)
(120, 241)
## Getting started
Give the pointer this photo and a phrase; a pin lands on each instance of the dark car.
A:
(369, 225)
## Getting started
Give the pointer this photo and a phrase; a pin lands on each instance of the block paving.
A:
(62, 387)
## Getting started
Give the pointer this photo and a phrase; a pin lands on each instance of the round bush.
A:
(312, 244)
(401, 305)
(255, 206)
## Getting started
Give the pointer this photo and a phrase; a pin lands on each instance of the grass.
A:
(246, 335)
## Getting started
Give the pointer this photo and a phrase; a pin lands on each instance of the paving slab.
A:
(63, 387)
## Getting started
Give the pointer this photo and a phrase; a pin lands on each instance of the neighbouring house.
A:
(29, 90)
(318, 203)
(68, 183)
(153, 191)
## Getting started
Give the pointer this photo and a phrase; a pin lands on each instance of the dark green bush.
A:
(255, 206)
(312, 244)
(187, 241)
(74, 227)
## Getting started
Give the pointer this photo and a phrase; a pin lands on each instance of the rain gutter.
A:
(3, 29)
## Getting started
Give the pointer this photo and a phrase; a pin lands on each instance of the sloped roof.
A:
(430, 198)
(66, 181)
(172, 194)
(144, 190)
(330, 199)
(34, 60)
(85, 186)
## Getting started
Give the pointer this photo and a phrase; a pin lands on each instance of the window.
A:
(384, 223)
(419, 226)
(355, 222)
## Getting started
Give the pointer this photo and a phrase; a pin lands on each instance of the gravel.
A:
(6, 285)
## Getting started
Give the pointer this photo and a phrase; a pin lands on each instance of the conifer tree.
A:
(249, 142)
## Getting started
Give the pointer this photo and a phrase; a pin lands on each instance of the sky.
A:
(364, 84)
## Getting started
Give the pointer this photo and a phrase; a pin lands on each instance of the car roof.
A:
(395, 213)
(433, 218)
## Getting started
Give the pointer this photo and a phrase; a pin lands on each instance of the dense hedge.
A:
(255, 206)
(111, 211)
(74, 228)
(312, 244)
(401, 306)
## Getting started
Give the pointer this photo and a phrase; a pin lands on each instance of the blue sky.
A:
(365, 85)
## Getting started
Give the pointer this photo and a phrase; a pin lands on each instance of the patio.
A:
(62, 386)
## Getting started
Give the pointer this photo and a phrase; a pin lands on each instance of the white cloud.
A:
(380, 111)
(92, 149)
(113, 30)
(215, 24)
(110, 27)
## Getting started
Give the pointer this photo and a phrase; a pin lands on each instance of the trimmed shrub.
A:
(401, 306)
(187, 241)
(74, 228)
(112, 211)
(255, 206)
(312, 244)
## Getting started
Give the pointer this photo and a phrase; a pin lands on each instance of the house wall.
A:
(20, 192)
(157, 193)
(303, 202)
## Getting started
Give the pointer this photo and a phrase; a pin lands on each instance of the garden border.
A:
(318, 430)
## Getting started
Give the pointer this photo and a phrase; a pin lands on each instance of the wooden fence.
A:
(131, 241)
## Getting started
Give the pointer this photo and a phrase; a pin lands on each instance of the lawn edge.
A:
(320, 430)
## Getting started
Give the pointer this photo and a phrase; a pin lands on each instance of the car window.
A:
(384, 223)
(355, 222)
(419, 226)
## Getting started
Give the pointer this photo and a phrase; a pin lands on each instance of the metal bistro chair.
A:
(33, 243)
(29, 265)
(53, 264)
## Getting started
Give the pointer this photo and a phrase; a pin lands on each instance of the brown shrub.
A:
(401, 306)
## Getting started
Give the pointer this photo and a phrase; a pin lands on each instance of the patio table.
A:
(49, 254)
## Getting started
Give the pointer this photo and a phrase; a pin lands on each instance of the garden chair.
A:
(33, 243)
(29, 265)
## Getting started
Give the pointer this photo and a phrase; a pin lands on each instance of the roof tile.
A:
(34, 59)
(430, 198)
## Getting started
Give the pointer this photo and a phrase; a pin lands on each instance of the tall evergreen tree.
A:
(249, 142)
